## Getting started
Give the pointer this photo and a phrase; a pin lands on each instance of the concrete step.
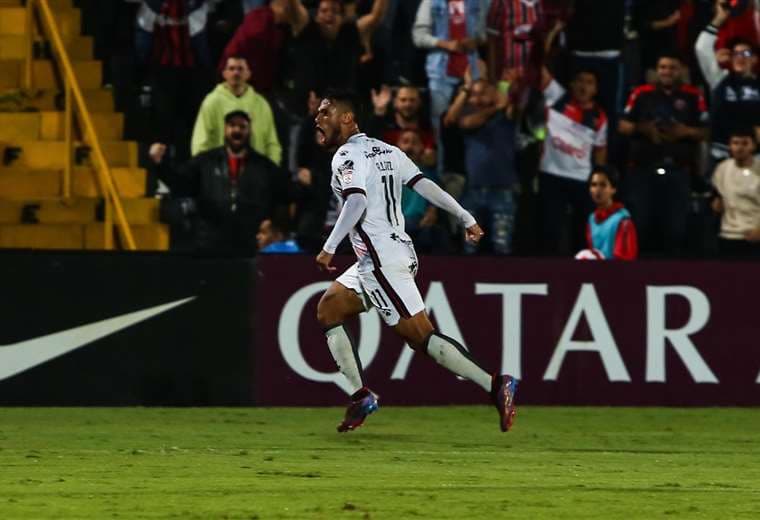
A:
(29, 184)
(49, 126)
(36, 236)
(89, 73)
(13, 21)
(13, 47)
(76, 210)
(19, 100)
(148, 237)
(51, 155)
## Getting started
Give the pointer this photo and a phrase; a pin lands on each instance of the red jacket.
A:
(258, 40)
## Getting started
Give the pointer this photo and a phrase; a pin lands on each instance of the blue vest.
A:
(437, 59)
(603, 234)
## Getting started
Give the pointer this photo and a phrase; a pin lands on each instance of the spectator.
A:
(327, 50)
(595, 38)
(742, 23)
(313, 195)
(389, 126)
(420, 216)
(260, 40)
(665, 122)
(511, 26)
(576, 138)
(659, 20)
(481, 112)
(233, 187)
(610, 228)
(171, 43)
(272, 238)
(737, 183)
(451, 30)
(735, 93)
(406, 63)
(236, 94)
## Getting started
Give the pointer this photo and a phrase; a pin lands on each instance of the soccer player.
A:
(368, 175)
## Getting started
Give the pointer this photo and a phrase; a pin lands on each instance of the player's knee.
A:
(328, 312)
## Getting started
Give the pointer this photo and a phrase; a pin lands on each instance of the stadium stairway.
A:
(33, 212)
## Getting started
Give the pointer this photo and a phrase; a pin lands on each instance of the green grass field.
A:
(448, 462)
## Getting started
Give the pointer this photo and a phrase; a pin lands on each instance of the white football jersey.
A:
(380, 171)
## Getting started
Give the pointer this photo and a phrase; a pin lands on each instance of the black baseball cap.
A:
(237, 113)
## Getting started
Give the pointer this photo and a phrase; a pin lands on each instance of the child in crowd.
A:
(610, 229)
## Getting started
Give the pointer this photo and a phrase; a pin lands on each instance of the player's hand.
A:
(473, 234)
(324, 259)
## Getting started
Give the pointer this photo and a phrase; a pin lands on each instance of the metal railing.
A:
(75, 103)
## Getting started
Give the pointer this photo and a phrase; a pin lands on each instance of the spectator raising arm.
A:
(299, 16)
(705, 48)
(369, 22)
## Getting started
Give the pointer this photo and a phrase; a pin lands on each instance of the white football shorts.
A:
(391, 290)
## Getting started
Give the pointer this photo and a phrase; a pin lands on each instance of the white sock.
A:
(450, 354)
(345, 356)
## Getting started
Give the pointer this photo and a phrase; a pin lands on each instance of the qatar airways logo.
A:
(659, 338)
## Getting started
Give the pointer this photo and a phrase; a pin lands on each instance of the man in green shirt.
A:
(236, 94)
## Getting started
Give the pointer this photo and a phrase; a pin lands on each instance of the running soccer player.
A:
(368, 175)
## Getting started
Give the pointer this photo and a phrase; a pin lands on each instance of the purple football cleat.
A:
(363, 403)
(503, 390)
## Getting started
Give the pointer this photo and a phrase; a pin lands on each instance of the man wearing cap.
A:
(236, 94)
(227, 190)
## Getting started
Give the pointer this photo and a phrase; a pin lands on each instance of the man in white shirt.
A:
(737, 182)
(368, 175)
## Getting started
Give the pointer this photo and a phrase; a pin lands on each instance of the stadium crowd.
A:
(510, 105)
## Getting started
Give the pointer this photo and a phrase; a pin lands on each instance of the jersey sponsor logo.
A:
(20, 357)
(569, 149)
(376, 150)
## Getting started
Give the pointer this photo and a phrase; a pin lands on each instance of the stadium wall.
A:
(158, 329)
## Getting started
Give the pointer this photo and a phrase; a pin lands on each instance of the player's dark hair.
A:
(609, 171)
(744, 132)
(348, 101)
